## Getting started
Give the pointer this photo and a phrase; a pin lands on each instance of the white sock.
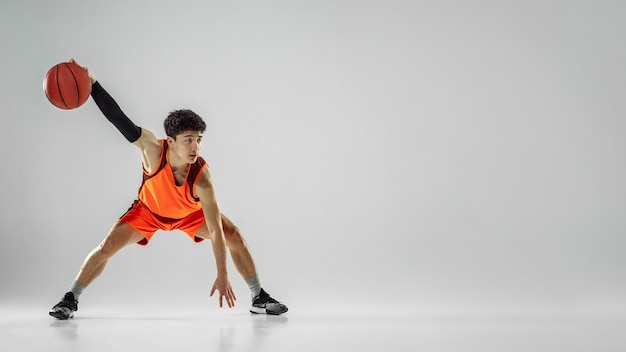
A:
(77, 289)
(255, 285)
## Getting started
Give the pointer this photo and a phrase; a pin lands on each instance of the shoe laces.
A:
(264, 298)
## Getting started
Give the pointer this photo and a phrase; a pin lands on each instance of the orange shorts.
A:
(147, 223)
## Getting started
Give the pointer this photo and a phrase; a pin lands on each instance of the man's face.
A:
(186, 145)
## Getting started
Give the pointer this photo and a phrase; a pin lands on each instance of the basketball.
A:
(67, 85)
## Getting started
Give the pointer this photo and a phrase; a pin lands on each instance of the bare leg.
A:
(120, 236)
(239, 250)
(262, 302)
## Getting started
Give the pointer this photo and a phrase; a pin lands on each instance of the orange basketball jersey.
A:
(163, 197)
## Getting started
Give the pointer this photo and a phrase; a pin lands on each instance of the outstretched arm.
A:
(111, 110)
(212, 216)
(114, 113)
(142, 138)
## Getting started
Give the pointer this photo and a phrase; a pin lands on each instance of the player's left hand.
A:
(91, 76)
(222, 285)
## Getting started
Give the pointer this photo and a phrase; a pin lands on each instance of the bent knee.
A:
(112, 245)
(233, 237)
(107, 249)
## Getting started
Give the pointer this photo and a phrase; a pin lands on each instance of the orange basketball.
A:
(67, 85)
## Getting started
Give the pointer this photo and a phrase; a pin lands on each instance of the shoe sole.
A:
(61, 315)
(255, 310)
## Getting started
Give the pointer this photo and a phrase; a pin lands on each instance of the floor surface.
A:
(144, 330)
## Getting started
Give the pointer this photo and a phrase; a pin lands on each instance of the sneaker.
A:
(66, 308)
(264, 304)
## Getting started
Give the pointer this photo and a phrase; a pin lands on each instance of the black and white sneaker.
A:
(264, 304)
(66, 308)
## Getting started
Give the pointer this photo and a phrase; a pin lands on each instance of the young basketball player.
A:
(176, 193)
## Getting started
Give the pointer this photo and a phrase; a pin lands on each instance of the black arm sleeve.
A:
(113, 113)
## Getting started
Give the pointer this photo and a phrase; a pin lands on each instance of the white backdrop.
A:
(426, 155)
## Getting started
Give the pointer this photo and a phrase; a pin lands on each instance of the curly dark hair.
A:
(179, 121)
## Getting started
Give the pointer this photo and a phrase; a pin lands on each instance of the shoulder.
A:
(205, 190)
(204, 180)
(149, 144)
(195, 171)
(151, 149)
(148, 141)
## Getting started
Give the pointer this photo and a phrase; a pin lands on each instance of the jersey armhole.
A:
(192, 177)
